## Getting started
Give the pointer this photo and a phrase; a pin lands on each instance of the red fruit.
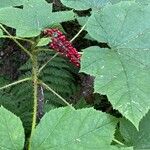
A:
(62, 45)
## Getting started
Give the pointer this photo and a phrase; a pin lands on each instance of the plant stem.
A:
(35, 93)
(35, 86)
(78, 33)
(17, 38)
(55, 93)
(118, 142)
(14, 83)
(44, 65)
(24, 49)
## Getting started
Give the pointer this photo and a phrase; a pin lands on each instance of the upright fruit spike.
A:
(61, 44)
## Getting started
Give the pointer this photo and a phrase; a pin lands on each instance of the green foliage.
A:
(8, 3)
(120, 68)
(11, 131)
(17, 101)
(22, 97)
(85, 4)
(43, 41)
(96, 4)
(139, 139)
(49, 134)
(122, 72)
(58, 74)
(84, 132)
(33, 18)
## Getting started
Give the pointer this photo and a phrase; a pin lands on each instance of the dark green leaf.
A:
(139, 139)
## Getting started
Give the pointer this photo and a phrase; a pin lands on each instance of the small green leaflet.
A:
(66, 129)
(122, 72)
(33, 18)
(11, 131)
(43, 41)
(139, 139)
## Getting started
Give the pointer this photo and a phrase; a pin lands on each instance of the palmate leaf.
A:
(143, 2)
(139, 139)
(85, 4)
(8, 3)
(95, 4)
(67, 129)
(122, 72)
(33, 18)
(11, 131)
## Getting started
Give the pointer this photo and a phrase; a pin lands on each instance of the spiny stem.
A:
(78, 33)
(17, 38)
(35, 93)
(14, 83)
(35, 85)
(24, 49)
(55, 93)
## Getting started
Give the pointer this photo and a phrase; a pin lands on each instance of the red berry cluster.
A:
(63, 46)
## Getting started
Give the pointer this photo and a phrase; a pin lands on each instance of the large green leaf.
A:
(85, 4)
(143, 2)
(11, 131)
(33, 18)
(122, 72)
(139, 139)
(67, 129)
(8, 3)
(95, 4)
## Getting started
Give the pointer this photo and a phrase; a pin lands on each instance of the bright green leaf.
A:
(8, 3)
(85, 4)
(122, 72)
(139, 139)
(66, 129)
(44, 41)
(11, 131)
(33, 18)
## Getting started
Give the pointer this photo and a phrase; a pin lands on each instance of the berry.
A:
(63, 46)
